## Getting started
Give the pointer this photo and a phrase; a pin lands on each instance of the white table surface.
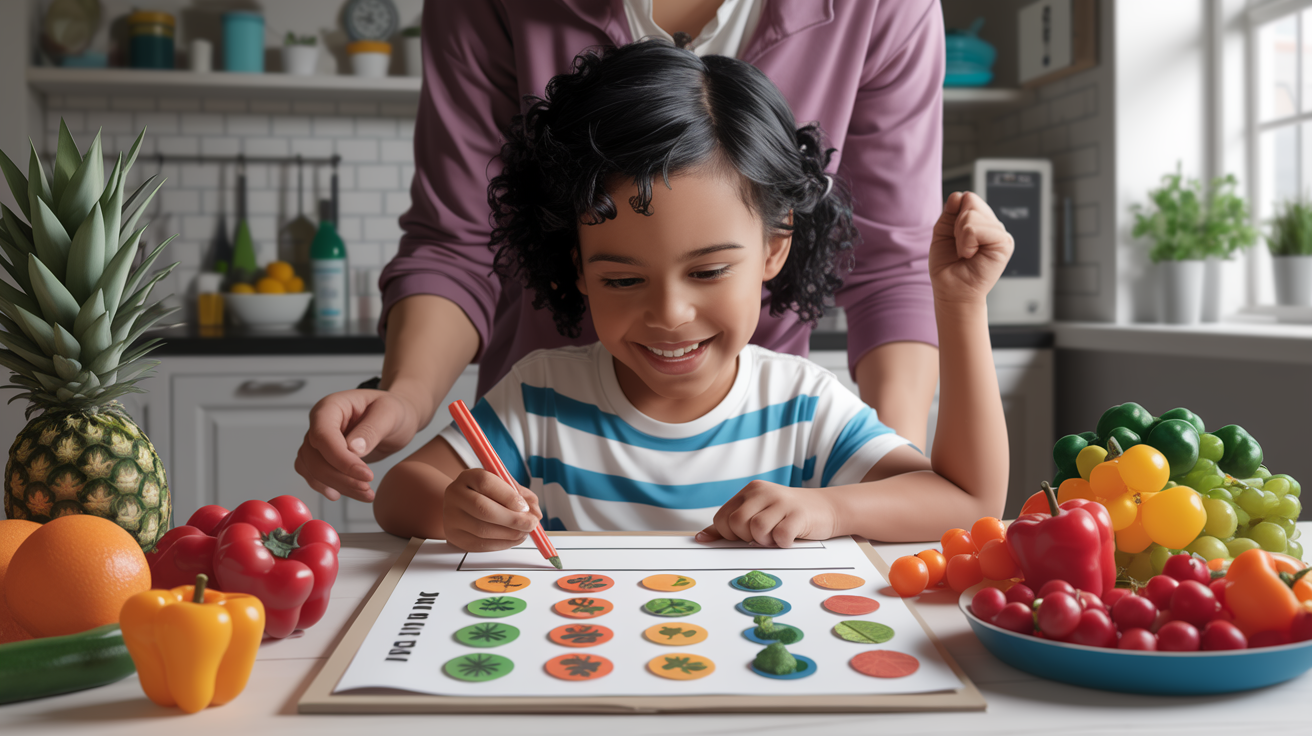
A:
(1017, 702)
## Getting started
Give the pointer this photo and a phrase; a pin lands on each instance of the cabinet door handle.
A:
(270, 388)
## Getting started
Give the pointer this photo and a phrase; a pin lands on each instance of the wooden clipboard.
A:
(319, 696)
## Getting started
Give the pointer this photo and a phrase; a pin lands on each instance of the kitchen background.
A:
(1169, 86)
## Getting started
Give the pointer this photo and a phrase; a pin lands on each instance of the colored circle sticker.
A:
(502, 583)
(740, 584)
(863, 632)
(764, 605)
(805, 668)
(579, 667)
(881, 663)
(498, 606)
(585, 583)
(580, 635)
(668, 583)
(851, 605)
(681, 666)
(749, 634)
(478, 667)
(671, 607)
(487, 635)
(837, 581)
(672, 635)
(583, 607)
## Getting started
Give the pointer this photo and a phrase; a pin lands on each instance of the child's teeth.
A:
(675, 353)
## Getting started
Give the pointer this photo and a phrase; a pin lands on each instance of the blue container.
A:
(243, 42)
(151, 42)
(969, 58)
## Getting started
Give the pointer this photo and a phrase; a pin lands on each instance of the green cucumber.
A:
(52, 665)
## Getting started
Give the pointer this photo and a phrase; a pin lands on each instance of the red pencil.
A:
(491, 462)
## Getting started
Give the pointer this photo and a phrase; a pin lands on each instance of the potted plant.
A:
(300, 54)
(414, 59)
(1226, 231)
(1290, 243)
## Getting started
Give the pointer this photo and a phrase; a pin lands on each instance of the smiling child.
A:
(673, 196)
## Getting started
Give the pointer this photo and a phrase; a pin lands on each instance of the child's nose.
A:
(669, 307)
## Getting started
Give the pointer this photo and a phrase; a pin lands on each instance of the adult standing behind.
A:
(869, 71)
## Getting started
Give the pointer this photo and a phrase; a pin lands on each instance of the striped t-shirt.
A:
(565, 430)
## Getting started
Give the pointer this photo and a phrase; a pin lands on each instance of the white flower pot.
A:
(370, 64)
(1293, 280)
(300, 60)
(1212, 289)
(1181, 292)
(414, 59)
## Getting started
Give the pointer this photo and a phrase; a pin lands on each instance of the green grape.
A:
(1159, 557)
(1269, 502)
(1240, 545)
(1295, 549)
(1141, 567)
(1220, 493)
(1209, 547)
(1289, 507)
(1221, 518)
(1252, 501)
(1262, 472)
(1244, 518)
(1270, 537)
(1297, 533)
(1286, 524)
(1294, 488)
(1202, 469)
(1210, 447)
(1123, 559)
(1278, 486)
(1253, 482)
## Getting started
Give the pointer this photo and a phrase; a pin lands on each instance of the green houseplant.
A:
(1290, 243)
(300, 54)
(414, 55)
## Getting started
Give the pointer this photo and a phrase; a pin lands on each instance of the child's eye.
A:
(711, 275)
(620, 283)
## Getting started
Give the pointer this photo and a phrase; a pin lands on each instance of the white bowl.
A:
(268, 311)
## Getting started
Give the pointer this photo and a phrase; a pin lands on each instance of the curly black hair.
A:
(649, 108)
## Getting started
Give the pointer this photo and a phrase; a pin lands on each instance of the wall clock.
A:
(372, 20)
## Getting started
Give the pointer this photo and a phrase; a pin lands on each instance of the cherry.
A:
(1142, 639)
(1184, 567)
(1177, 636)
(1058, 615)
(1020, 593)
(1159, 590)
(987, 603)
(1134, 612)
(1111, 597)
(1218, 635)
(1015, 617)
(1194, 602)
(1053, 586)
(1095, 629)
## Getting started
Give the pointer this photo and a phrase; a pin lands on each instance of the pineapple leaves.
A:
(84, 188)
(67, 369)
(86, 256)
(25, 349)
(11, 297)
(132, 153)
(57, 304)
(97, 338)
(138, 296)
(142, 349)
(66, 345)
(50, 239)
(131, 222)
(156, 313)
(111, 207)
(37, 329)
(88, 314)
(108, 360)
(17, 184)
(15, 363)
(116, 273)
(19, 234)
(137, 301)
(49, 383)
(37, 186)
(66, 161)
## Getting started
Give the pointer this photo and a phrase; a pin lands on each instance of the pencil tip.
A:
(555, 561)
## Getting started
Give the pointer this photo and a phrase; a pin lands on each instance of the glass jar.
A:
(243, 42)
(151, 45)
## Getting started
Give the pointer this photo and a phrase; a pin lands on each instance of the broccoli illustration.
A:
(763, 604)
(776, 660)
(756, 580)
(783, 633)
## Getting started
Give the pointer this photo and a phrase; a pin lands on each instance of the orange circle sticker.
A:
(681, 666)
(837, 581)
(580, 635)
(579, 667)
(672, 635)
(585, 583)
(502, 583)
(582, 607)
(668, 583)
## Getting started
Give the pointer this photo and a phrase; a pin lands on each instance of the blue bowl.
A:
(1150, 673)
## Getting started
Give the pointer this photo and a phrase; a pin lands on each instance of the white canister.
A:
(370, 58)
(1293, 280)
(300, 60)
(1181, 291)
(201, 53)
(414, 56)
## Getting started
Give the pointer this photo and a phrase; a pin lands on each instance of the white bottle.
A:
(329, 273)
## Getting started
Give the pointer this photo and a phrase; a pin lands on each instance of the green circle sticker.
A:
(671, 607)
(478, 667)
(863, 632)
(498, 606)
(487, 635)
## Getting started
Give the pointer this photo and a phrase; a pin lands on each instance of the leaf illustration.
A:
(488, 632)
(680, 582)
(863, 632)
(672, 607)
(669, 632)
(498, 603)
(581, 666)
(584, 605)
(582, 634)
(587, 582)
(478, 665)
(683, 663)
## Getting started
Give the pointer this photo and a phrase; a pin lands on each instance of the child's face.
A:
(688, 276)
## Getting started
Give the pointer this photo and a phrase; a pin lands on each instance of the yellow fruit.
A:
(267, 285)
(280, 270)
(295, 285)
(240, 288)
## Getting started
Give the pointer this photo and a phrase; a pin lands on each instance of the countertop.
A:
(1017, 702)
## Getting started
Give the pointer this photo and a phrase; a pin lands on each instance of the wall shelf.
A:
(225, 85)
(956, 98)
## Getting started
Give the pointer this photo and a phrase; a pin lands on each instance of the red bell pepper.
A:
(1074, 543)
(179, 556)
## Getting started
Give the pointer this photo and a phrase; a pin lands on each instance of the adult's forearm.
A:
(430, 340)
(898, 380)
(911, 507)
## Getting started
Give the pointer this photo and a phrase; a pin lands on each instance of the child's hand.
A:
(481, 513)
(772, 516)
(969, 251)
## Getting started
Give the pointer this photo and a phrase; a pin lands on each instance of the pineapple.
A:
(69, 328)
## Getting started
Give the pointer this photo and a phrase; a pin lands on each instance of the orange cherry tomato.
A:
(1133, 538)
(1036, 504)
(1073, 488)
(908, 575)
(996, 562)
(963, 571)
(986, 529)
(937, 565)
(1105, 479)
(943, 540)
(1122, 509)
(960, 543)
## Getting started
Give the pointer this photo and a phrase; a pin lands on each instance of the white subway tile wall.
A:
(375, 143)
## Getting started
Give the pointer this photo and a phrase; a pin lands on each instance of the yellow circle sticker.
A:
(668, 583)
(672, 634)
(837, 581)
(681, 666)
(502, 583)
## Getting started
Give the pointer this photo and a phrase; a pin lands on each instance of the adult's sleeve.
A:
(469, 94)
(892, 158)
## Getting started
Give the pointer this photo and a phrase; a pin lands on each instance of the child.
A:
(666, 191)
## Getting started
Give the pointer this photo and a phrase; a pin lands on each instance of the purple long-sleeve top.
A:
(869, 71)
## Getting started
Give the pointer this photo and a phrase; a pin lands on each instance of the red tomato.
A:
(1015, 617)
(1134, 612)
(1052, 586)
(908, 575)
(1141, 639)
(987, 603)
(1218, 635)
(995, 560)
(1020, 593)
(1177, 636)
(1095, 629)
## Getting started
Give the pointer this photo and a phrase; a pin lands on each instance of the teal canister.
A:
(243, 42)
(150, 43)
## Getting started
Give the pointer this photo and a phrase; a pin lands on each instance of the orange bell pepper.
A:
(193, 647)
(1259, 599)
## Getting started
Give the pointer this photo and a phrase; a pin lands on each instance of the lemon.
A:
(281, 271)
(240, 288)
(270, 286)
(1088, 458)
(295, 285)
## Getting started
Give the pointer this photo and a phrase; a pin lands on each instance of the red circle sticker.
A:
(885, 664)
(580, 635)
(851, 605)
(585, 583)
(583, 607)
(579, 667)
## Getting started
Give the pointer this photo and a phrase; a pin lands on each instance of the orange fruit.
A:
(295, 285)
(280, 270)
(13, 532)
(241, 288)
(73, 574)
(267, 285)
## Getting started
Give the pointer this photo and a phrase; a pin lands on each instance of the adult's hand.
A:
(347, 430)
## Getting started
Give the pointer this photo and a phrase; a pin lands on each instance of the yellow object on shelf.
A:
(241, 288)
(369, 47)
(267, 285)
(280, 270)
(295, 285)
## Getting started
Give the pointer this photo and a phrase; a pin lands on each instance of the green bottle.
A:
(328, 272)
